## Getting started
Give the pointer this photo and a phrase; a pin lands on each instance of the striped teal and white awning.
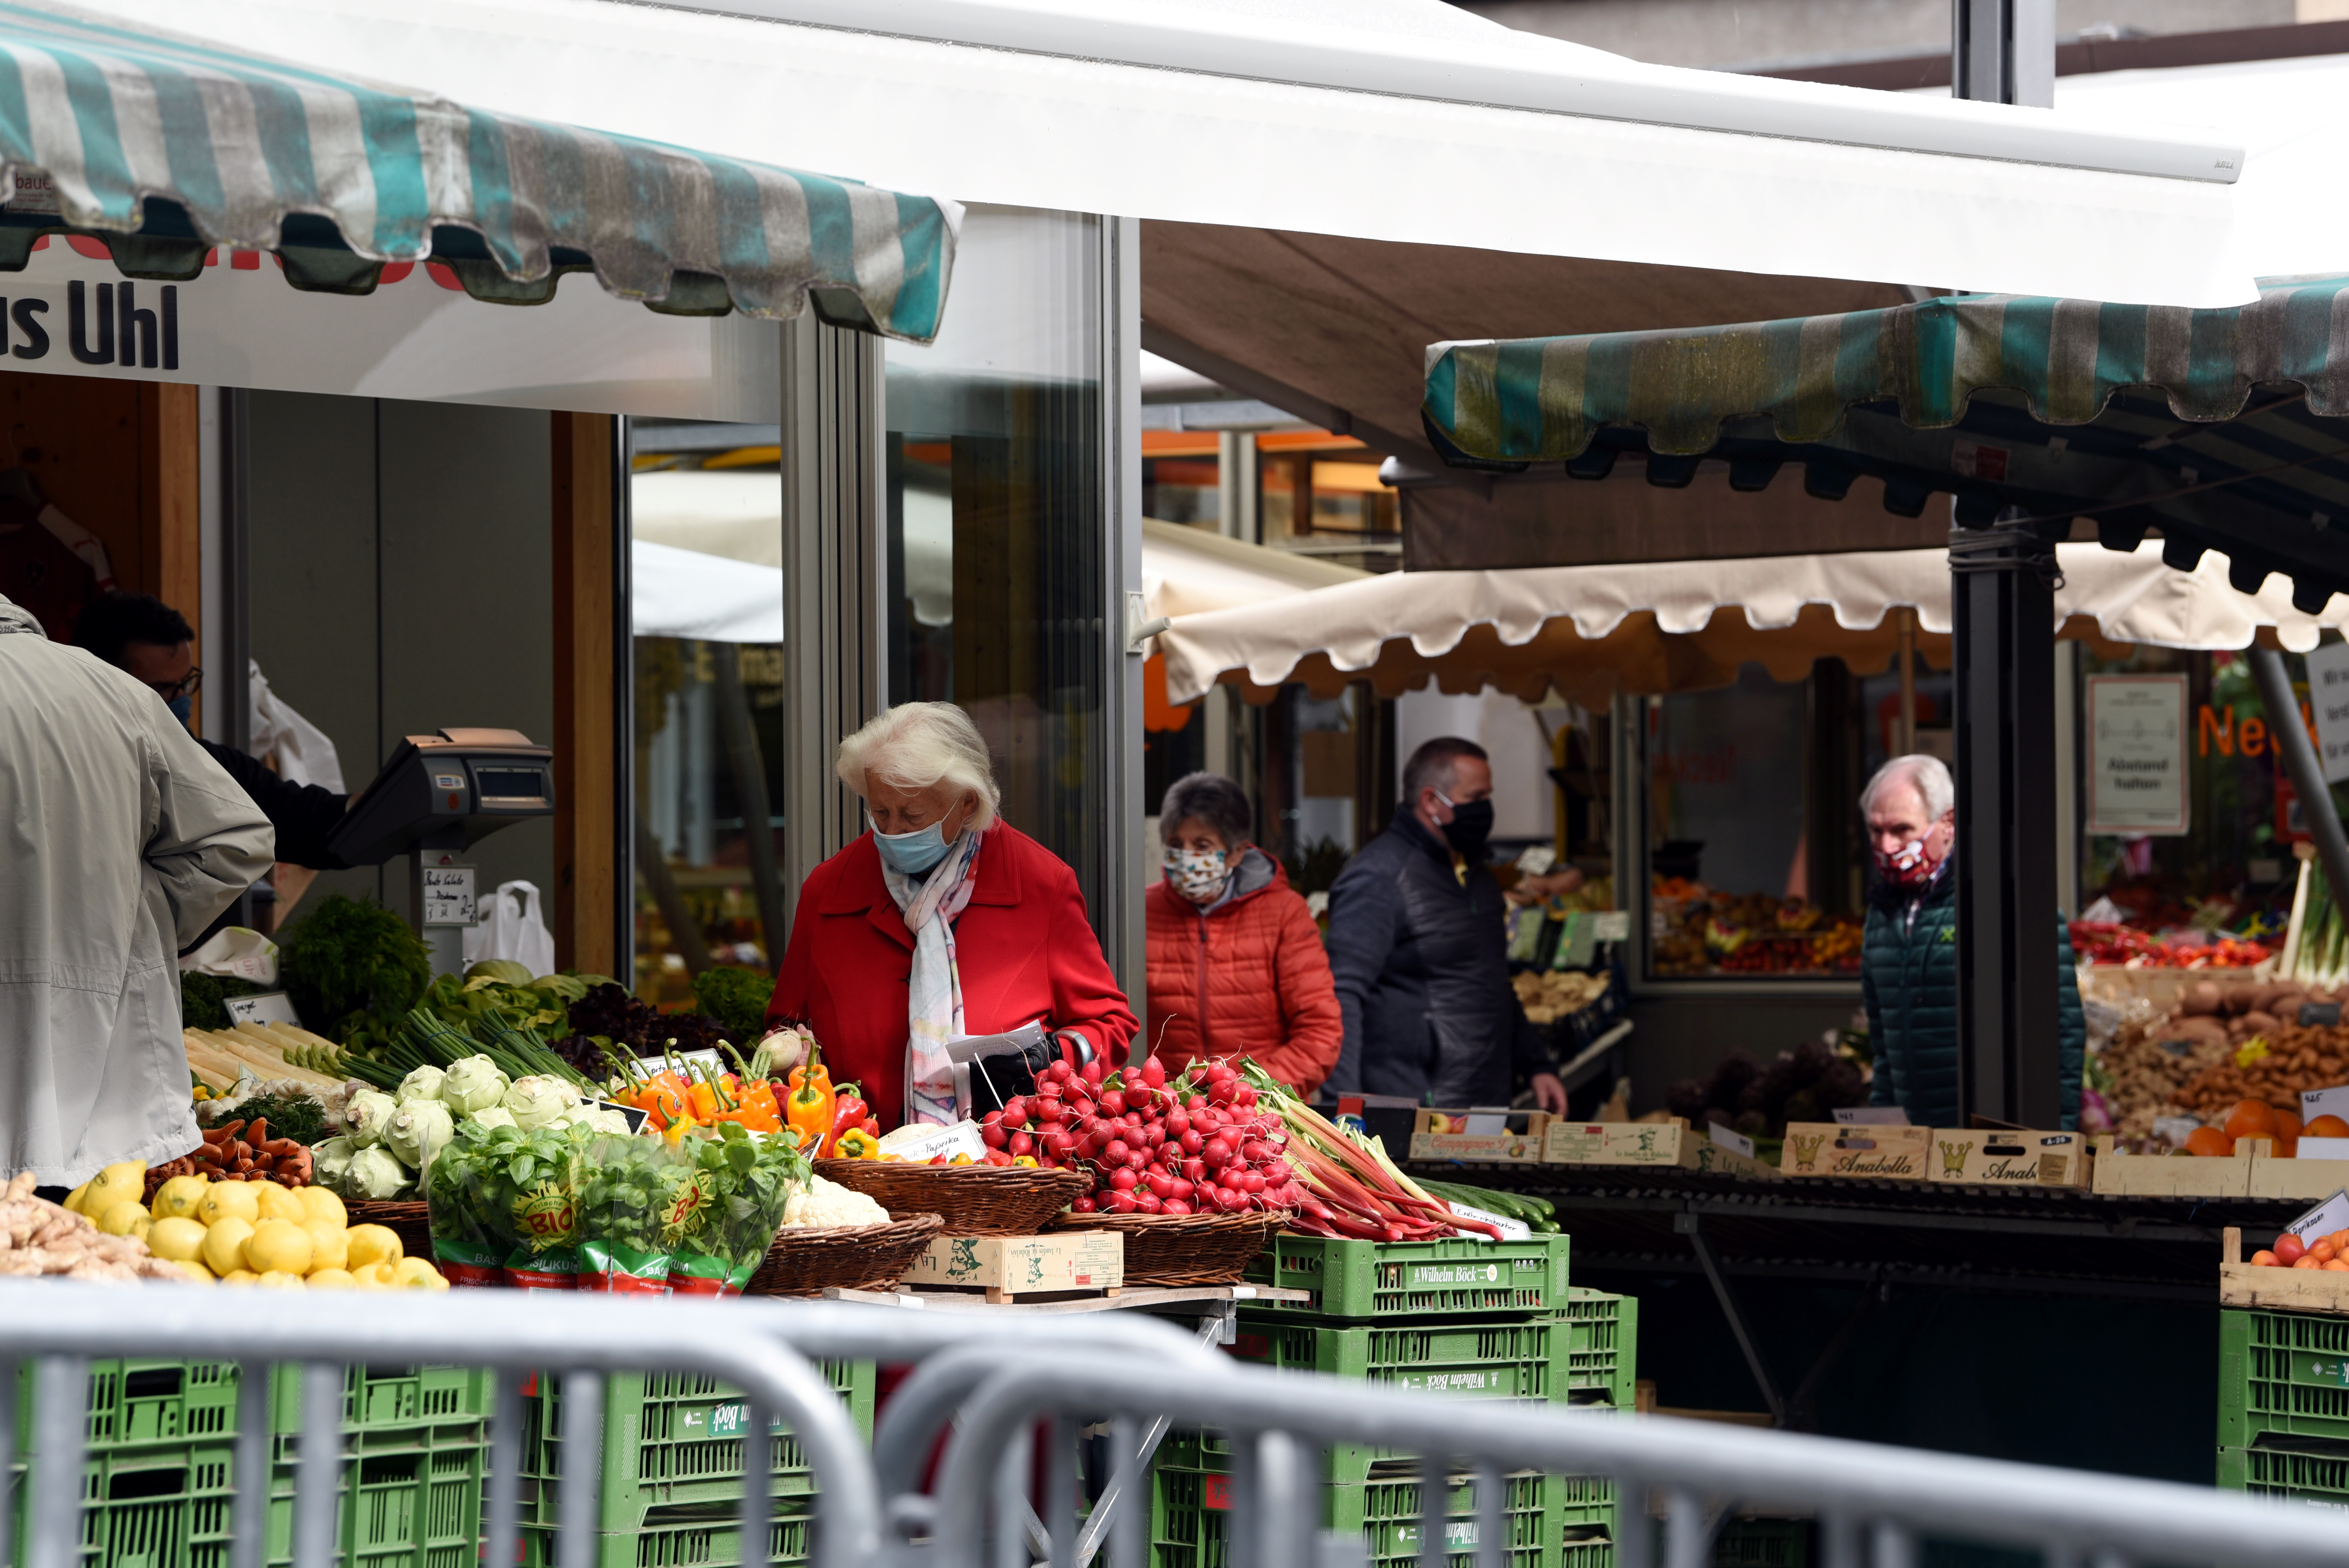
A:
(165, 146)
(2217, 429)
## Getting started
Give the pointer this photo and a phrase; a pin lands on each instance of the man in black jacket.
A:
(141, 634)
(1419, 949)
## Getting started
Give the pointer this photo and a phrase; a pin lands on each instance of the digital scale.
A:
(436, 797)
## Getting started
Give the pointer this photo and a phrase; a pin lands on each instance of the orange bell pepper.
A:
(755, 1106)
(712, 1100)
(807, 1111)
(664, 1096)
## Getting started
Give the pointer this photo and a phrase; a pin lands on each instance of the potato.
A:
(2258, 1023)
(2201, 999)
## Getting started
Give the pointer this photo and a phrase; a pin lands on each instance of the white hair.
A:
(1927, 775)
(918, 744)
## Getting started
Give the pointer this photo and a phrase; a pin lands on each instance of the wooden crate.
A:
(2305, 1179)
(2276, 1289)
(1672, 1143)
(2174, 1175)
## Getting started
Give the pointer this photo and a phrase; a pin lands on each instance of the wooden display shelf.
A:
(2277, 1289)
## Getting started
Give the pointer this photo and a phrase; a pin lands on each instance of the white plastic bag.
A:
(511, 927)
(239, 951)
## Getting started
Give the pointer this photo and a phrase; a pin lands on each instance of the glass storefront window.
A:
(705, 510)
(996, 558)
(1751, 827)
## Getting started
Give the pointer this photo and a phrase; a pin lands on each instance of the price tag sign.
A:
(2328, 697)
(262, 1007)
(448, 896)
(1872, 1116)
(1728, 1140)
(2330, 1216)
(2320, 1015)
(2316, 1102)
(1611, 925)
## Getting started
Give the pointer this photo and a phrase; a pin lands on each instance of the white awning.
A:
(1385, 119)
(1593, 631)
(707, 553)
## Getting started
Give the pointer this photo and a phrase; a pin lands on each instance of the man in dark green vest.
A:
(1909, 957)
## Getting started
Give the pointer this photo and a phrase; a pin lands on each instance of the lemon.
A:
(197, 1273)
(278, 1246)
(373, 1276)
(177, 1198)
(240, 1277)
(74, 1198)
(278, 1279)
(329, 1245)
(176, 1238)
(417, 1273)
(331, 1279)
(224, 1239)
(125, 1179)
(373, 1244)
(128, 1218)
(278, 1202)
(227, 1201)
(319, 1203)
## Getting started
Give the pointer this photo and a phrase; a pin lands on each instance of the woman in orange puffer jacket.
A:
(1235, 966)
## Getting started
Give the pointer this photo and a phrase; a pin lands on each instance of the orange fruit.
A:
(2210, 1142)
(2325, 1252)
(2287, 1124)
(2263, 1259)
(2252, 1119)
(2307, 1261)
(2338, 1265)
(2327, 1127)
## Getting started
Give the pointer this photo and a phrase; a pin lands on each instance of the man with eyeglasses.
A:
(120, 841)
(151, 641)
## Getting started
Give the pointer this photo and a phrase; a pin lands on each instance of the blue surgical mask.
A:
(183, 708)
(911, 854)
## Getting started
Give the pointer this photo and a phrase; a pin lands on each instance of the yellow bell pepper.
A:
(856, 1144)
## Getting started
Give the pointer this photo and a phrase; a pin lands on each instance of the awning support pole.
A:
(1907, 730)
(2308, 781)
(2002, 608)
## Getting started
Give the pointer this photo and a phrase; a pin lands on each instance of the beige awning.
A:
(1188, 570)
(1592, 630)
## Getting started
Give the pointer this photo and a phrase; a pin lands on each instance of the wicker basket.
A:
(407, 1219)
(854, 1258)
(1183, 1249)
(973, 1200)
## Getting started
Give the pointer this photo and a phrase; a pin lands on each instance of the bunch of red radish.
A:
(1198, 1145)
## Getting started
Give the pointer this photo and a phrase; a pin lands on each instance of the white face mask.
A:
(1198, 875)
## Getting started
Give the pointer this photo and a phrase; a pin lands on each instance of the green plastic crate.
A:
(1491, 1361)
(2316, 1477)
(411, 1495)
(1602, 1338)
(690, 1536)
(1348, 1279)
(2282, 1373)
(672, 1461)
(1188, 1507)
(1761, 1543)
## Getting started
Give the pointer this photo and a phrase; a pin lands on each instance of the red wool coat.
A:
(1025, 949)
(1253, 970)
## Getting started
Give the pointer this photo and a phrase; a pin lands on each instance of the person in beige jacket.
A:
(119, 840)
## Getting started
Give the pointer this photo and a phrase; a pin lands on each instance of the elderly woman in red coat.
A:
(940, 921)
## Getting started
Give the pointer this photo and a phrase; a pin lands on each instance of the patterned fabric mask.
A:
(1198, 875)
(1908, 866)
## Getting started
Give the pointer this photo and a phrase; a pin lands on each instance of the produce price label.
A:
(2330, 1216)
(448, 896)
(2137, 754)
(2328, 696)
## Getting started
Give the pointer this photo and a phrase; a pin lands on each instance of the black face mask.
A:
(1471, 825)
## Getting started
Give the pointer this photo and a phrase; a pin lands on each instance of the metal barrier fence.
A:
(992, 1384)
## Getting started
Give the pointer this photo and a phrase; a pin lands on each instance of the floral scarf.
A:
(934, 988)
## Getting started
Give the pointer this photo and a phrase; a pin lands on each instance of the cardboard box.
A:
(2176, 1175)
(1980, 1157)
(1498, 1137)
(1007, 1267)
(1861, 1152)
(1668, 1143)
